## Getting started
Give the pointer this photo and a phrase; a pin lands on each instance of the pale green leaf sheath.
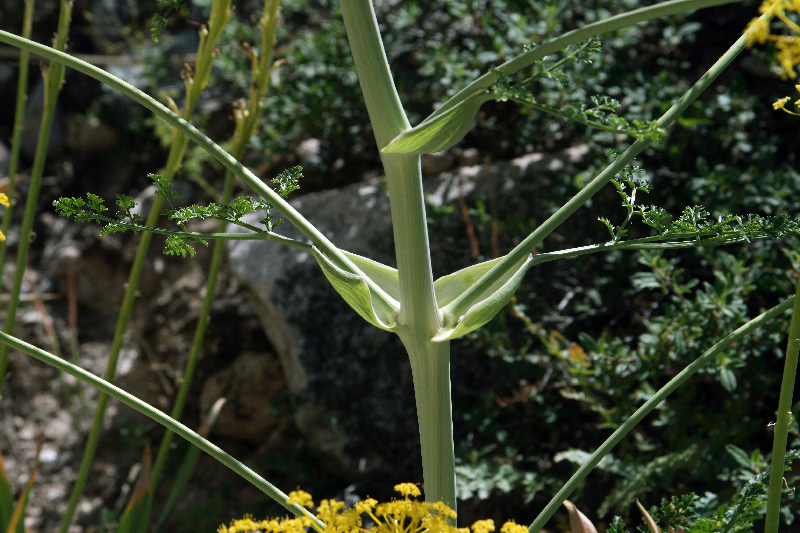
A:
(489, 302)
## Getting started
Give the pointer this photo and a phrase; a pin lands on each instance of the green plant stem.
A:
(784, 420)
(53, 75)
(246, 127)
(262, 189)
(257, 234)
(16, 136)
(197, 345)
(645, 243)
(708, 356)
(430, 369)
(419, 318)
(559, 43)
(194, 85)
(126, 311)
(455, 309)
(154, 414)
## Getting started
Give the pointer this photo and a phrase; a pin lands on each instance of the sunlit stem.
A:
(419, 318)
(783, 421)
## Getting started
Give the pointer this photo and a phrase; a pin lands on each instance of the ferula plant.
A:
(406, 299)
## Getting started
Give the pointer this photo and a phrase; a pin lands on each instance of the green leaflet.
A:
(492, 300)
(356, 292)
(440, 132)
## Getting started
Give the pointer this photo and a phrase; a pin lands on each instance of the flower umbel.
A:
(781, 103)
(406, 515)
(788, 46)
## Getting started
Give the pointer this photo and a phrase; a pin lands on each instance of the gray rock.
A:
(32, 122)
(345, 372)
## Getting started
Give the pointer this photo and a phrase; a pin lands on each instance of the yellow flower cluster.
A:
(3, 201)
(406, 515)
(788, 46)
(781, 104)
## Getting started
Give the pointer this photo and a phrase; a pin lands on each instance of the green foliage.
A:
(693, 514)
(601, 114)
(92, 209)
(160, 20)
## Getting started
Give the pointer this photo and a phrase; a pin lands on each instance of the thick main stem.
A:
(419, 317)
(430, 368)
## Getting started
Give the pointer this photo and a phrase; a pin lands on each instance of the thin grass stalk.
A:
(662, 394)
(16, 136)
(194, 86)
(783, 421)
(154, 414)
(419, 317)
(245, 130)
(53, 75)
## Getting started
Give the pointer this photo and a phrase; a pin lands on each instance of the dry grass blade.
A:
(651, 524)
(578, 523)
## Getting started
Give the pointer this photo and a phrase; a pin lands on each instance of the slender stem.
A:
(645, 243)
(53, 75)
(559, 43)
(126, 311)
(257, 234)
(158, 416)
(194, 85)
(260, 77)
(784, 420)
(651, 404)
(197, 345)
(16, 137)
(455, 309)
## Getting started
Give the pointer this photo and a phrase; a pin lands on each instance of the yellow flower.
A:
(483, 526)
(407, 489)
(513, 527)
(781, 104)
(301, 498)
(246, 524)
(757, 32)
(365, 506)
(4, 199)
(788, 46)
(404, 515)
